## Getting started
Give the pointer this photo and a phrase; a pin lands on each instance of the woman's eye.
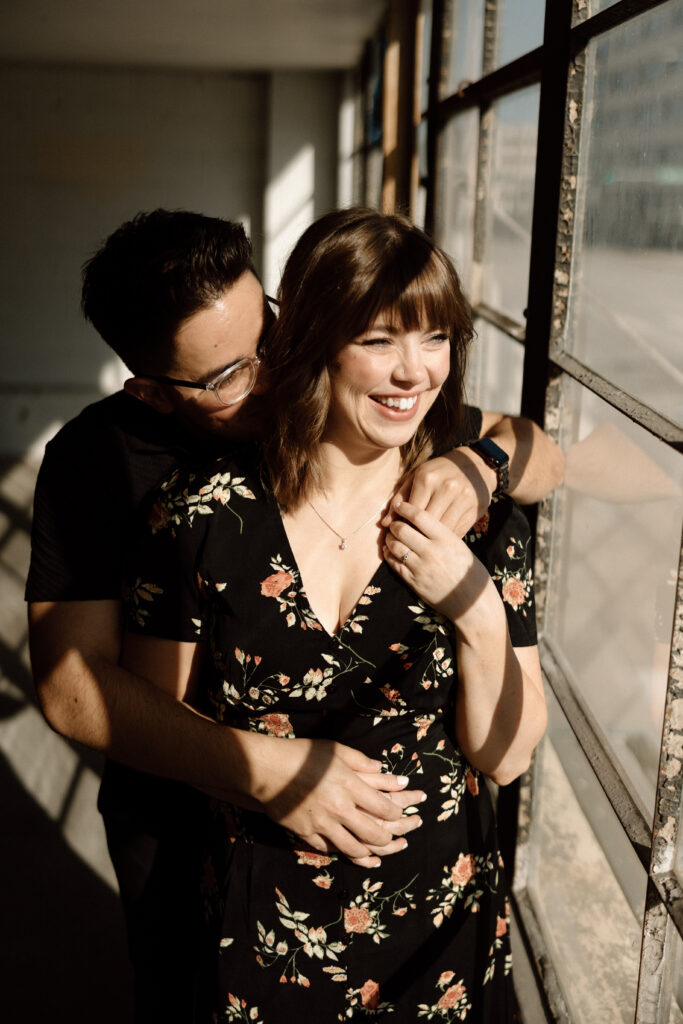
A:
(376, 341)
(438, 339)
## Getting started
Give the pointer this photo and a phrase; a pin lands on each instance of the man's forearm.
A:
(536, 462)
(130, 720)
(87, 697)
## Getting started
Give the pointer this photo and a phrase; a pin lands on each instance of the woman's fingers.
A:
(422, 520)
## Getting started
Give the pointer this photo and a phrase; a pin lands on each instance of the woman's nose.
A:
(410, 367)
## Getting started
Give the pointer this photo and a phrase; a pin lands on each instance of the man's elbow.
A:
(58, 704)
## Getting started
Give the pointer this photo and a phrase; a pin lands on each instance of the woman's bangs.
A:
(427, 300)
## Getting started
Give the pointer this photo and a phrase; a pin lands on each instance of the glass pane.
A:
(374, 169)
(509, 204)
(520, 28)
(457, 188)
(426, 18)
(675, 956)
(614, 561)
(466, 39)
(585, 882)
(626, 312)
(494, 379)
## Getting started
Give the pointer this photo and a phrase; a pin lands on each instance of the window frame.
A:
(558, 66)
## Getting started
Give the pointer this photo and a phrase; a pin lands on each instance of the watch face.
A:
(490, 451)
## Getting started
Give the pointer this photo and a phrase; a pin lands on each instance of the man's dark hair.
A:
(154, 272)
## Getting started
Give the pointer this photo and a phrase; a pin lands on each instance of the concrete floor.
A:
(62, 941)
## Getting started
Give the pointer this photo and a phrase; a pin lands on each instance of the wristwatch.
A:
(496, 458)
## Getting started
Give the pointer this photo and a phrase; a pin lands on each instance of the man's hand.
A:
(333, 797)
(455, 488)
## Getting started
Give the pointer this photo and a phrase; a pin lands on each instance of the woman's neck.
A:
(346, 478)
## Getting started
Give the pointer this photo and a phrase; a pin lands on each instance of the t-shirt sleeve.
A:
(76, 534)
(469, 430)
(501, 539)
(164, 593)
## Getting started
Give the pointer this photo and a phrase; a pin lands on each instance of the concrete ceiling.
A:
(234, 35)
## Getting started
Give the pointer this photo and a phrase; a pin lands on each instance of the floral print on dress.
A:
(237, 1010)
(467, 880)
(364, 1003)
(453, 1004)
(515, 577)
(296, 933)
(135, 595)
(173, 508)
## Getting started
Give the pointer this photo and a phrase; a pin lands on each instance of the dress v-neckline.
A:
(302, 592)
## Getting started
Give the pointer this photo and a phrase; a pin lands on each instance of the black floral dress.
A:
(292, 934)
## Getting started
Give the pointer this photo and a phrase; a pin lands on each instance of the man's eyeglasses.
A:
(234, 382)
(230, 386)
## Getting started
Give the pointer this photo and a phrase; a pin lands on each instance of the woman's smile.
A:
(397, 407)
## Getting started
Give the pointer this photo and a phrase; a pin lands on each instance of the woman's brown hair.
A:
(346, 269)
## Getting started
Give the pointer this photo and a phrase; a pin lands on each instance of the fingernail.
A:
(423, 798)
(405, 844)
(398, 502)
(419, 822)
(403, 780)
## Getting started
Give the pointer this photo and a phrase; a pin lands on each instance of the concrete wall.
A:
(85, 149)
(301, 172)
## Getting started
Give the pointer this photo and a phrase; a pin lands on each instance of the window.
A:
(551, 168)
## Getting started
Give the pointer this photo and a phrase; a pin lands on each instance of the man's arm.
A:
(457, 487)
(87, 697)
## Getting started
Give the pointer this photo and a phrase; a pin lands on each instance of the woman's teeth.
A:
(397, 403)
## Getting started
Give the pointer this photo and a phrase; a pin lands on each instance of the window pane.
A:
(510, 202)
(626, 313)
(374, 168)
(458, 180)
(466, 38)
(494, 380)
(586, 883)
(676, 956)
(614, 560)
(520, 28)
(426, 16)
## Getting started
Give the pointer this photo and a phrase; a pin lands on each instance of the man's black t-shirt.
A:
(95, 474)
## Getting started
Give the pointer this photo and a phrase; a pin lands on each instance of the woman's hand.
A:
(500, 712)
(440, 568)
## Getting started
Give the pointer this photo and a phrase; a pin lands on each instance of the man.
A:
(177, 297)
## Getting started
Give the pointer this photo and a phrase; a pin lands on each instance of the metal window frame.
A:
(559, 67)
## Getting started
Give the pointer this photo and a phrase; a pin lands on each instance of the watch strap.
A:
(494, 456)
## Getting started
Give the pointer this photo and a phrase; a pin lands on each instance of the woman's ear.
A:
(148, 391)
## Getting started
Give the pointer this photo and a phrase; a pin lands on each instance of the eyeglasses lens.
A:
(236, 385)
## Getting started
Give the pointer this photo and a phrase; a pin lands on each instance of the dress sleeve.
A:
(501, 539)
(163, 594)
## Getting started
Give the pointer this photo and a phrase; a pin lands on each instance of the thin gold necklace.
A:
(343, 539)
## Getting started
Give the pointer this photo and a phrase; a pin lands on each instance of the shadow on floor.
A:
(62, 940)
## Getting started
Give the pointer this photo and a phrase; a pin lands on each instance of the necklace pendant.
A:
(342, 546)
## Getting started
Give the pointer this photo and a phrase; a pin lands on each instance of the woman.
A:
(320, 623)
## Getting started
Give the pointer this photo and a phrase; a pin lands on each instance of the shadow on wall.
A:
(62, 942)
